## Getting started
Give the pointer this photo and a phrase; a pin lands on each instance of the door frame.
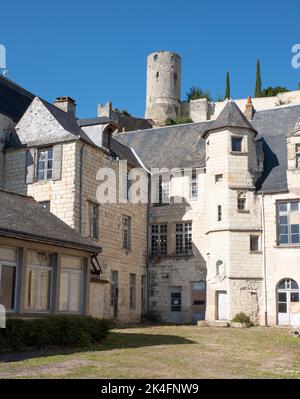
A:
(217, 304)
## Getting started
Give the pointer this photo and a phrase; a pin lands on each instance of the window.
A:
(45, 163)
(218, 178)
(45, 205)
(163, 191)
(93, 220)
(289, 222)
(219, 213)
(236, 144)
(194, 185)
(288, 284)
(220, 268)
(183, 232)
(132, 291)
(114, 293)
(159, 239)
(71, 284)
(8, 273)
(297, 155)
(38, 281)
(126, 232)
(241, 201)
(254, 243)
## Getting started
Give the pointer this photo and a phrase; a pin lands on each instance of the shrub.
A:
(79, 331)
(241, 318)
(180, 120)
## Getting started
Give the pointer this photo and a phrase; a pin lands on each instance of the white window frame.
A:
(71, 271)
(37, 291)
(160, 235)
(187, 236)
(46, 169)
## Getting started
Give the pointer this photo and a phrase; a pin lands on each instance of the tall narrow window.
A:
(254, 243)
(132, 291)
(45, 163)
(163, 191)
(289, 222)
(159, 239)
(241, 201)
(38, 281)
(93, 220)
(144, 293)
(8, 273)
(219, 213)
(71, 284)
(126, 226)
(236, 144)
(184, 243)
(194, 185)
(297, 155)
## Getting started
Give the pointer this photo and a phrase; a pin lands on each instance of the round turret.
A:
(163, 86)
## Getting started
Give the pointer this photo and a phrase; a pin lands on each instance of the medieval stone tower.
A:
(163, 86)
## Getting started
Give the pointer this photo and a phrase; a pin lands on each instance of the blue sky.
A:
(96, 50)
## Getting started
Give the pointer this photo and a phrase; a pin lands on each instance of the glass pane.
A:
(282, 308)
(284, 239)
(49, 174)
(39, 259)
(30, 288)
(43, 299)
(75, 292)
(9, 254)
(295, 228)
(283, 230)
(7, 286)
(283, 220)
(283, 207)
(295, 238)
(282, 297)
(294, 296)
(199, 286)
(64, 290)
(294, 206)
(294, 285)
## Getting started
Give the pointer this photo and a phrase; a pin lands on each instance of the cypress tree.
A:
(227, 89)
(257, 92)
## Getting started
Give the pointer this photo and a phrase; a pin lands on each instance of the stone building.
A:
(233, 244)
(221, 234)
(45, 266)
(54, 157)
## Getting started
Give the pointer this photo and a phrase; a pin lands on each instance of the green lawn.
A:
(169, 352)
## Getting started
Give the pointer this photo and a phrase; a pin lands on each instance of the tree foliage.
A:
(227, 88)
(273, 91)
(195, 93)
(257, 91)
(180, 120)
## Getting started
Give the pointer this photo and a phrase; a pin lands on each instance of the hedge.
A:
(80, 331)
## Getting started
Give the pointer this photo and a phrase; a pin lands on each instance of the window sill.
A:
(243, 211)
(240, 153)
(287, 246)
(163, 257)
(255, 252)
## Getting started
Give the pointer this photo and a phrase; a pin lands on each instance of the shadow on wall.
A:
(116, 340)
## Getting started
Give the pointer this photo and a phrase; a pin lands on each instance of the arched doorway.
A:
(288, 306)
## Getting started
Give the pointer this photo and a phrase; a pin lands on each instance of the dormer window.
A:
(236, 144)
(298, 156)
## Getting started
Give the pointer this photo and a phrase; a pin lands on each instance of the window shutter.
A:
(31, 161)
(57, 162)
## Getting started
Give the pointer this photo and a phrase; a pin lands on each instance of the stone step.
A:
(219, 323)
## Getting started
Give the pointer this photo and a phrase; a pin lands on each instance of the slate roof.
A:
(182, 146)
(14, 100)
(22, 217)
(230, 116)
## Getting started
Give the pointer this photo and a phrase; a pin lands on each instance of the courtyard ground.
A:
(168, 352)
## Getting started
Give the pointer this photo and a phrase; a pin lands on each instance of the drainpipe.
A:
(263, 223)
(81, 188)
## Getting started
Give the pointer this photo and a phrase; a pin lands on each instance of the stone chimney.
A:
(66, 104)
(249, 110)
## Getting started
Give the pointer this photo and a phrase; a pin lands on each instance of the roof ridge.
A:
(17, 194)
(16, 86)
